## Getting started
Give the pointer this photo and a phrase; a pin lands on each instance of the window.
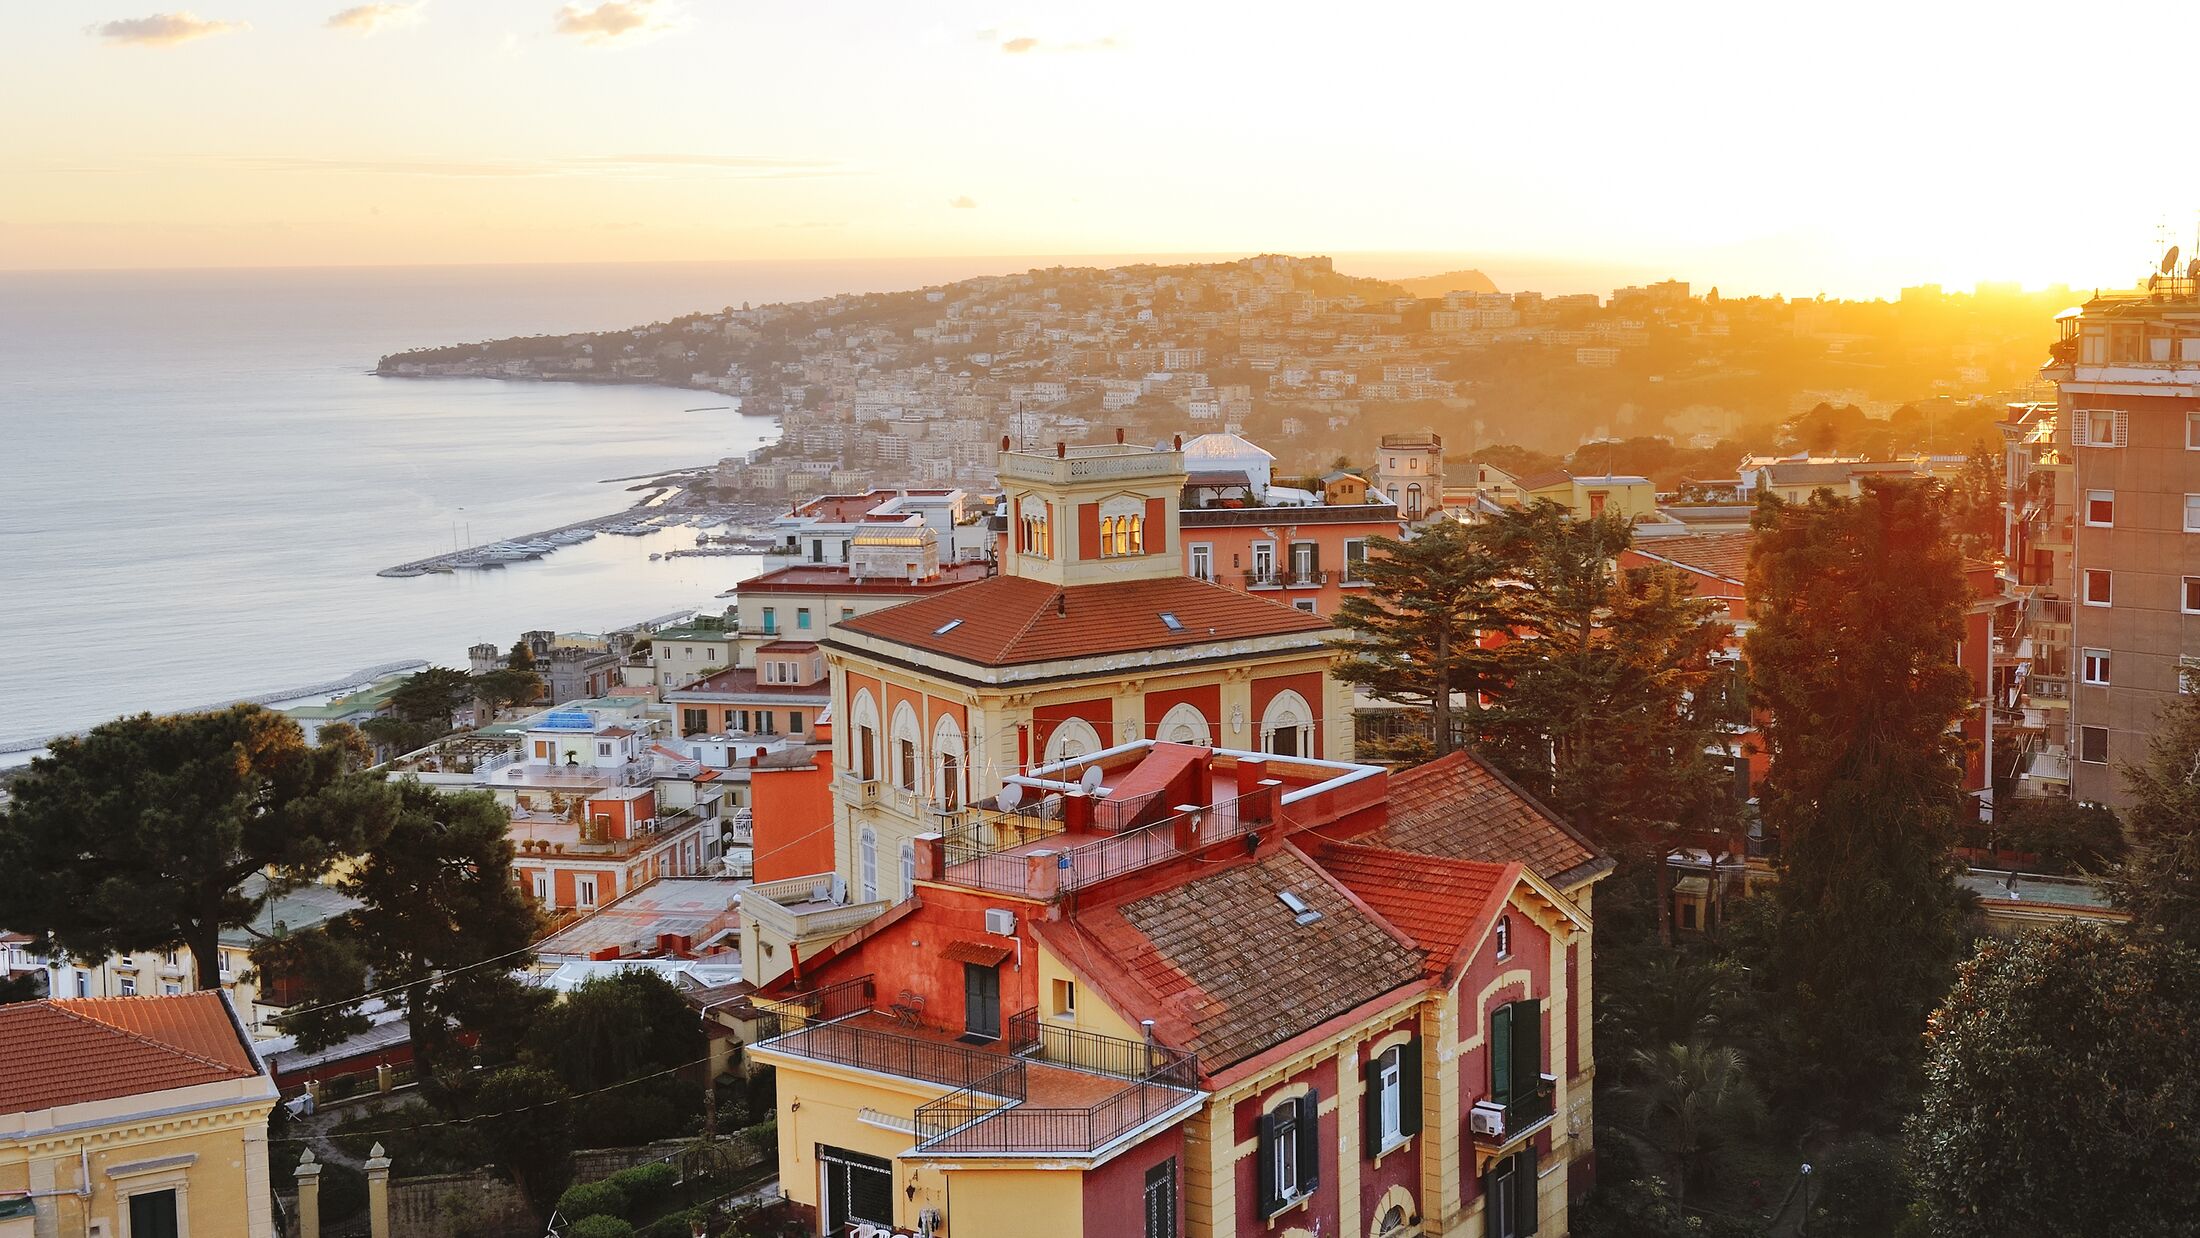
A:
(603, 747)
(2099, 586)
(1355, 559)
(857, 1188)
(128, 987)
(981, 1001)
(1161, 1200)
(2192, 595)
(867, 863)
(1304, 604)
(866, 750)
(1516, 1062)
(2101, 427)
(1203, 562)
(2192, 431)
(584, 891)
(2192, 513)
(1305, 563)
(908, 750)
(1509, 1190)
(1264, 563)
(1290, 1152)
(2096, 666)
(794, 721)
(1393, 1097)
(1504, 938)
(2100, 508)
(950, 781)
(908, 869)
(153, 1214)
(802, 617)
(847, 613)
(83, 984)
(171, 989)
(2093, 745)
(1065, 999)
(771, 620)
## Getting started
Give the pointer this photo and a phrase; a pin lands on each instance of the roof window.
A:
(1300, 911)
(1171, 622)
(947, 627)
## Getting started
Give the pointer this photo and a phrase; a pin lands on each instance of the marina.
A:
(635, 522)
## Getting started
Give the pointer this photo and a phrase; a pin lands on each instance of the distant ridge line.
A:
(356, 679)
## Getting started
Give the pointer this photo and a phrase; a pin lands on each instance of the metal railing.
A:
(970, 862)
(1035, 1038)
(1308, 579)
(1255, 578)
(910, 1057)
(784, 1015)
(990, 1116)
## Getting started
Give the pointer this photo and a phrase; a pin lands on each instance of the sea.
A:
(200, 474)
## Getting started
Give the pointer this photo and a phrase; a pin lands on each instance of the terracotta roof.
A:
(1459, 808)
(820, 578)
(1724, 555)
(742, 681)
(1545, 479)
(1810, 473)
(1012, 619)
(1442, 904)
(71, 1050)
(1222, 963)
(1217, 478)
(983, 953)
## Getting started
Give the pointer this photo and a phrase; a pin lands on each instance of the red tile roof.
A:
(1724, 555)
(819, 578)
(983, 953)
(1459, 808)
(1442, 904)
(71, 1050)
(742, 681)
(1011, 619)
(1222, 965)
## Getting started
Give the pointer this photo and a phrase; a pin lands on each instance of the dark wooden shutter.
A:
(1524, 1192)
(1409, 1087)
(1310, 1142)
(1501, 1055)
(1371, 1107)
(1157, 526)
(1490, 1211)
(1527, 1056)
(1266, 1155)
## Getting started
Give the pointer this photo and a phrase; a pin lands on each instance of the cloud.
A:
(964, 203)
(162, 29)
(1025, 45)
(610, 21)
(740, 167)
(368, 18)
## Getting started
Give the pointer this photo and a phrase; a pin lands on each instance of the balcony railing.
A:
(785, 1015)
(1519, 1117)
(1310, 578)
(990, 864)
(1259, 578)
(993, 1115)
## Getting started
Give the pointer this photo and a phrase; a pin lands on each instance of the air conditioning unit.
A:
(1487, 1120)
(1000, 921)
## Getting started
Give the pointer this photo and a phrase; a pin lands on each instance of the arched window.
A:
(1413, 499)
(867, 863)
(863, 737)
(1504, 937)
(907, 759)
(908, 870)
(1287, 726)
(948, 763)
(1038, 539)
(1184, 724)
(1072, 738)
(1122, 527)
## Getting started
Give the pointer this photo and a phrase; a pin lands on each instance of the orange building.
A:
(791, 808)
(1219, 993)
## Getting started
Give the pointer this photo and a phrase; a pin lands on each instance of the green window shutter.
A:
(1310, 1142)
(1527, 1055)
(1267, 1158)
(1490, 1211)
(1371, 1107)
(1409, 1087)
(1524, 1190)
(1501, 1055)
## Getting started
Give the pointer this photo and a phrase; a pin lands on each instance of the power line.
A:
(409, 984)
(501, 1113)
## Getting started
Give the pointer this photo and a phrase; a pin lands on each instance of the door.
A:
(857, 1188)
(153, 1215)
(1161, 1200)
(982, 1001)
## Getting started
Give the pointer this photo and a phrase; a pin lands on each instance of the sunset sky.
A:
(1761, 147)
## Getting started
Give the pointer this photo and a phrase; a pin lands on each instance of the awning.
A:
(983, 953)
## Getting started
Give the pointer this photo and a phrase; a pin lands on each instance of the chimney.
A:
(1179, 442)
(1061, 603)
(1119, 436)
(1004, 442)
(1061, 450)
(1076, 812)
(1042, 879)
(931, 860)
(1184, 828)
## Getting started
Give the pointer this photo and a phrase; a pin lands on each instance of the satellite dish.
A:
(1011, 795)
(2153, 282)
(1090, 779)
(2169, 261)
(2192, 270)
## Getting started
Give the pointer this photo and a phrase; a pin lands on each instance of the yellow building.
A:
(1092, 637)
(1632, 498)
(139, 1117)
(1228, 993)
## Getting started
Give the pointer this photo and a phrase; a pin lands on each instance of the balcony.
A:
(805, 908)
(860, 792)
(1498, 1125)
(1039, 1090)
(1263, 578)
(1307, 578)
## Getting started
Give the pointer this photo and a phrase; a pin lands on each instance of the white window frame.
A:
(1504, 938)
(1389, 1075)
(546, 890)
(2188, 667)
(2118, 426)
(2093, 667)
(2185, 595)
(2100, 496)
(1284, 1151)
(1201, 557)
(908, 870)
(1305, 604)
(867, 864)
(2192, 508)
(584, 891)
(2108, 577)
(2192, 431)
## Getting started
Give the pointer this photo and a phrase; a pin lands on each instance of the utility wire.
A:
(501, 1113)
(409, 984)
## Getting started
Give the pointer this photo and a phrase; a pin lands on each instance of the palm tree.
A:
(1688, 1095)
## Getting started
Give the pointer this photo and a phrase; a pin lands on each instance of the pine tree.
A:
(1858, 606)
(139, 834)
(1415, 633)
(2159, 881)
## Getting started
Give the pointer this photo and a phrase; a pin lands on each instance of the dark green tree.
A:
(442, 927)
(1609, 680)
(2159, 881)
(508, 687)
(628, 1026)
(522, 1116)
(2060, 1090)
(1689, 1099)
(2065, 834)
(139, 834)
(1415, 634)
(428, 698)
(522, 657)
(1975, 503)
(1858, 606)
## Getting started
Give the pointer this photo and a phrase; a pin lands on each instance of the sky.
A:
(1797, 149)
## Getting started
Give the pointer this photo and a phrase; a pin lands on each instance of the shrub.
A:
(601, 1227)
(646, 1184)
(590, 1199)
(343, 1192)
(672, 1225)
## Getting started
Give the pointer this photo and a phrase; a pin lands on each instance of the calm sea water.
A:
(199, 478)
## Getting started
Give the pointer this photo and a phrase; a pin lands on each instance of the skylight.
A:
(1300, 911)
(1171, 622)
(947, 627)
